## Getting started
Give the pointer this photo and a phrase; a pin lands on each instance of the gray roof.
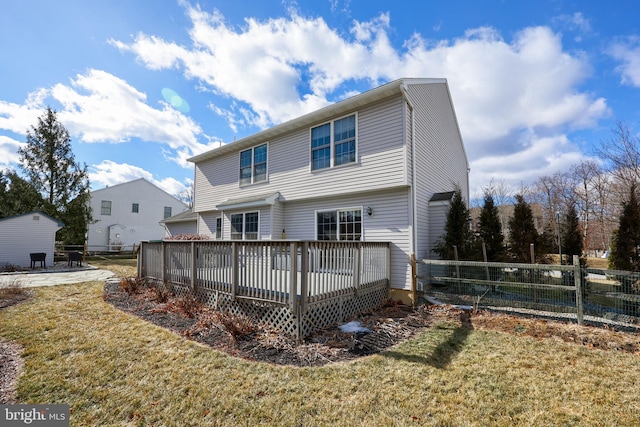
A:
(186, 216)
(250, 201)
(439, 197)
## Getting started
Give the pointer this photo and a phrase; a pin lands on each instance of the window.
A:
(253, 165)
(244, 226)
(218, 228)
(343, 224)
(105, 207)
(337, 137)
(167, 211)
(134, 207)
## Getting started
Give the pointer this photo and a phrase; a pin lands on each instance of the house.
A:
(362, 169)
(127, 213)
(21, 235)
(182, 223)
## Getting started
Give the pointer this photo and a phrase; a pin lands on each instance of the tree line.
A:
(591, 208)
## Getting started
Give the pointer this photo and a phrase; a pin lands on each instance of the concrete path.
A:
(53, 278)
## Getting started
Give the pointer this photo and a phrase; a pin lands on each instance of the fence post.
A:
(414, 279)
(139, 262)
(458, 282)
(577, 277)
(235, 268)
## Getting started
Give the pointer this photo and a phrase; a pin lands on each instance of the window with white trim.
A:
(105, 207)
(341, 224)
(253, 165)
(244, 226)
(333, 143)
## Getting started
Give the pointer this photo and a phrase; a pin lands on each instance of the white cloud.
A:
(9, 152)
(527, 86)
(628, 53)
(100, 107)
(108, 173)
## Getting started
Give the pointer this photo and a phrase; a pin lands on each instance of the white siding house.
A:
(361, 169)
(127, 213)
(23, 234)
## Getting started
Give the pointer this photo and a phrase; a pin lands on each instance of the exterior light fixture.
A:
(369, 211)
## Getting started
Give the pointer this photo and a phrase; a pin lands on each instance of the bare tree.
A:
(621, 151)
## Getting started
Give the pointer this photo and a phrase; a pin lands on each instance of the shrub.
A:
(10, 268)
(189, 236)
(162, 293)
(188, 304)
(132, 285)
(12, 289)
(237, 326)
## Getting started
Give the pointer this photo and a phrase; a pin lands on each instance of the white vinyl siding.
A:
(380, 155)
(24, 234)
(439, 152)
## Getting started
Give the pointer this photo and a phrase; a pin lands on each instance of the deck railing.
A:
(291, 274)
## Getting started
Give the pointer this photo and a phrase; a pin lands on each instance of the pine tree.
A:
(50, 167)
(571, 235)
(626, 255)
(490, 230)
(522, 232)
(17, 196)
(457, 230)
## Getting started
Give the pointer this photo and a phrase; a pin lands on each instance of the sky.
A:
(143, 85)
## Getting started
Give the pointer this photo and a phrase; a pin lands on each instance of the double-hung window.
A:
(105, 207)
(253, 165)
(244, 226)
(341, 224)
(333, 143)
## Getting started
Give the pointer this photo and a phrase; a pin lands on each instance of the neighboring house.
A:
(182, 223)
(362, 169)
(20, 235)
(127, 213)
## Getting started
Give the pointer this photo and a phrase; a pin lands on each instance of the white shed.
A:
(21, 235)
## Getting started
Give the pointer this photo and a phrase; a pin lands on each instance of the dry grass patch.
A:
(121, 267)
(116, 369)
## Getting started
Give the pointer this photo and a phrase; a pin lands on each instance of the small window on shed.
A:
(36, 217)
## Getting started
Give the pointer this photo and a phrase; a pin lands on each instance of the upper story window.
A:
(253, 165)
(342, 224)
(167, 211)
(333, 143)
(244, 226)
(105, 207)
(135, 207)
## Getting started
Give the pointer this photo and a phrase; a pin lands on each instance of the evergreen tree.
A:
(626, 255)
(571, 236)
(522, 232)
(490, 230)
(17, 196)
(49, 166)
(457, 230)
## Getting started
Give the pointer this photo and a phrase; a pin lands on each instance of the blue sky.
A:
(144, 85)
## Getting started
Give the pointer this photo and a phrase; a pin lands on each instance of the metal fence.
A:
(564, 291)
(308, 284)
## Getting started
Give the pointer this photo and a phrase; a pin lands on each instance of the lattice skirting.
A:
(318, 315)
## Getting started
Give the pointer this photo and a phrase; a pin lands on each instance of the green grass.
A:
(115, 369)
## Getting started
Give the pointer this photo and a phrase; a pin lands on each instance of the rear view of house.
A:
(127, 213)
(363, 169)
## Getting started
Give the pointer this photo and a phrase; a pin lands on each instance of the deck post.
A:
(235, 268)
(293, 278)
(163, 274)
(140, 264)
(194, 268)
(356, 269)
(304, 269)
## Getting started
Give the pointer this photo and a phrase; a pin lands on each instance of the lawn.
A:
(115, 369)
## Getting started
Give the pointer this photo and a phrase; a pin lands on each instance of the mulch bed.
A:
(390, 324)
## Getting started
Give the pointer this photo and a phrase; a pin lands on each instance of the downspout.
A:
(414, 229)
